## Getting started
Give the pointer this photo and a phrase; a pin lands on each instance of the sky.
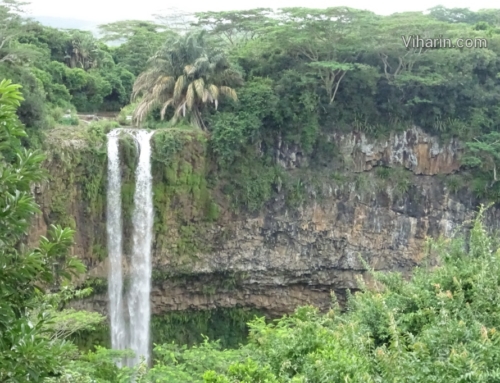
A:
(101, 11)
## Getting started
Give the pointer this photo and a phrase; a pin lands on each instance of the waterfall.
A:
(138, 295)
(140, 283)
(115, 247)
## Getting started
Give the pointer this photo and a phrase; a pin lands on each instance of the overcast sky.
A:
(111, 10)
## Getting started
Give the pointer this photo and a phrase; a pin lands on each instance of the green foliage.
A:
(96, 366)
(185, 75)
(64, 68)
(230, 133)
(97, 130)
(383, 172)
(27, 353)
(484, 152)
(355, 85)
(297, 88)
(455, 182)
(362, 182)
(312, 84)
(250, 183)
(139, 40)
(228, 325)
(181, 364)
(183, 199)
(441, 326)
(65, 322)
(308, 74)
(234, 129)
(295, 192)
(98, 285)
(325, 152)
(402, 181)
(246, 372)
(79, 175)
(398, 179)
(71, 120)
(89, 339)
(125, 115)
(482, 157)
(167, 144)
(32, 111)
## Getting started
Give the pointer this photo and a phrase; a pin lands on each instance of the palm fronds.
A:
(186, 76)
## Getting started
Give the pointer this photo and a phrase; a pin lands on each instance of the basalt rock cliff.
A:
(376, 200)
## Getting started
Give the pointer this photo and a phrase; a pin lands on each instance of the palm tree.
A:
(83, 51)
(185, 76)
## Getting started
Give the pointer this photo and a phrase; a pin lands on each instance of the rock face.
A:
(413, 149)
(291, 258)
(283, 257)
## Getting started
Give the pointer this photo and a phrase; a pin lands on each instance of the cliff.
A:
(374, 199)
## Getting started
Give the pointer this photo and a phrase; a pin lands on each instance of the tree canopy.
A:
(184, 75)
(255, 80)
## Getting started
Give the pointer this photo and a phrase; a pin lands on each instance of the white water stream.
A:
(138, 296)
(115, 246)
(140, 284)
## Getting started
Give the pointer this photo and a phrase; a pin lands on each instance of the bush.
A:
(125, 112)
(442, 326)
(69, 120)
(100, 128)
(57, 113)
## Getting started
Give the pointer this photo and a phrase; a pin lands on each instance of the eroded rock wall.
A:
(283, 257)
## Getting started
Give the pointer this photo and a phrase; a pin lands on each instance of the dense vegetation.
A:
(291, 76)
(251, 80)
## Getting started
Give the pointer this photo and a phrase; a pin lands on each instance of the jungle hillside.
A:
(243, 82)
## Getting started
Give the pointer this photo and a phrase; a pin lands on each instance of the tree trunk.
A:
(198, 120)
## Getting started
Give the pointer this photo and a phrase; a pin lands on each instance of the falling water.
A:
(137, 336)
(114, 231)
(140, 284)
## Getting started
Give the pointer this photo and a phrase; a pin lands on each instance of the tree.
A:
(122, 31)
(12, 26)
(139, 40)
(185, 75)
(82, 50)
(453, 15)
(393, 42)
(234, 27)
(176, 20)
(440, 326)
(329, 41)
(484, 152)
(26, 354)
